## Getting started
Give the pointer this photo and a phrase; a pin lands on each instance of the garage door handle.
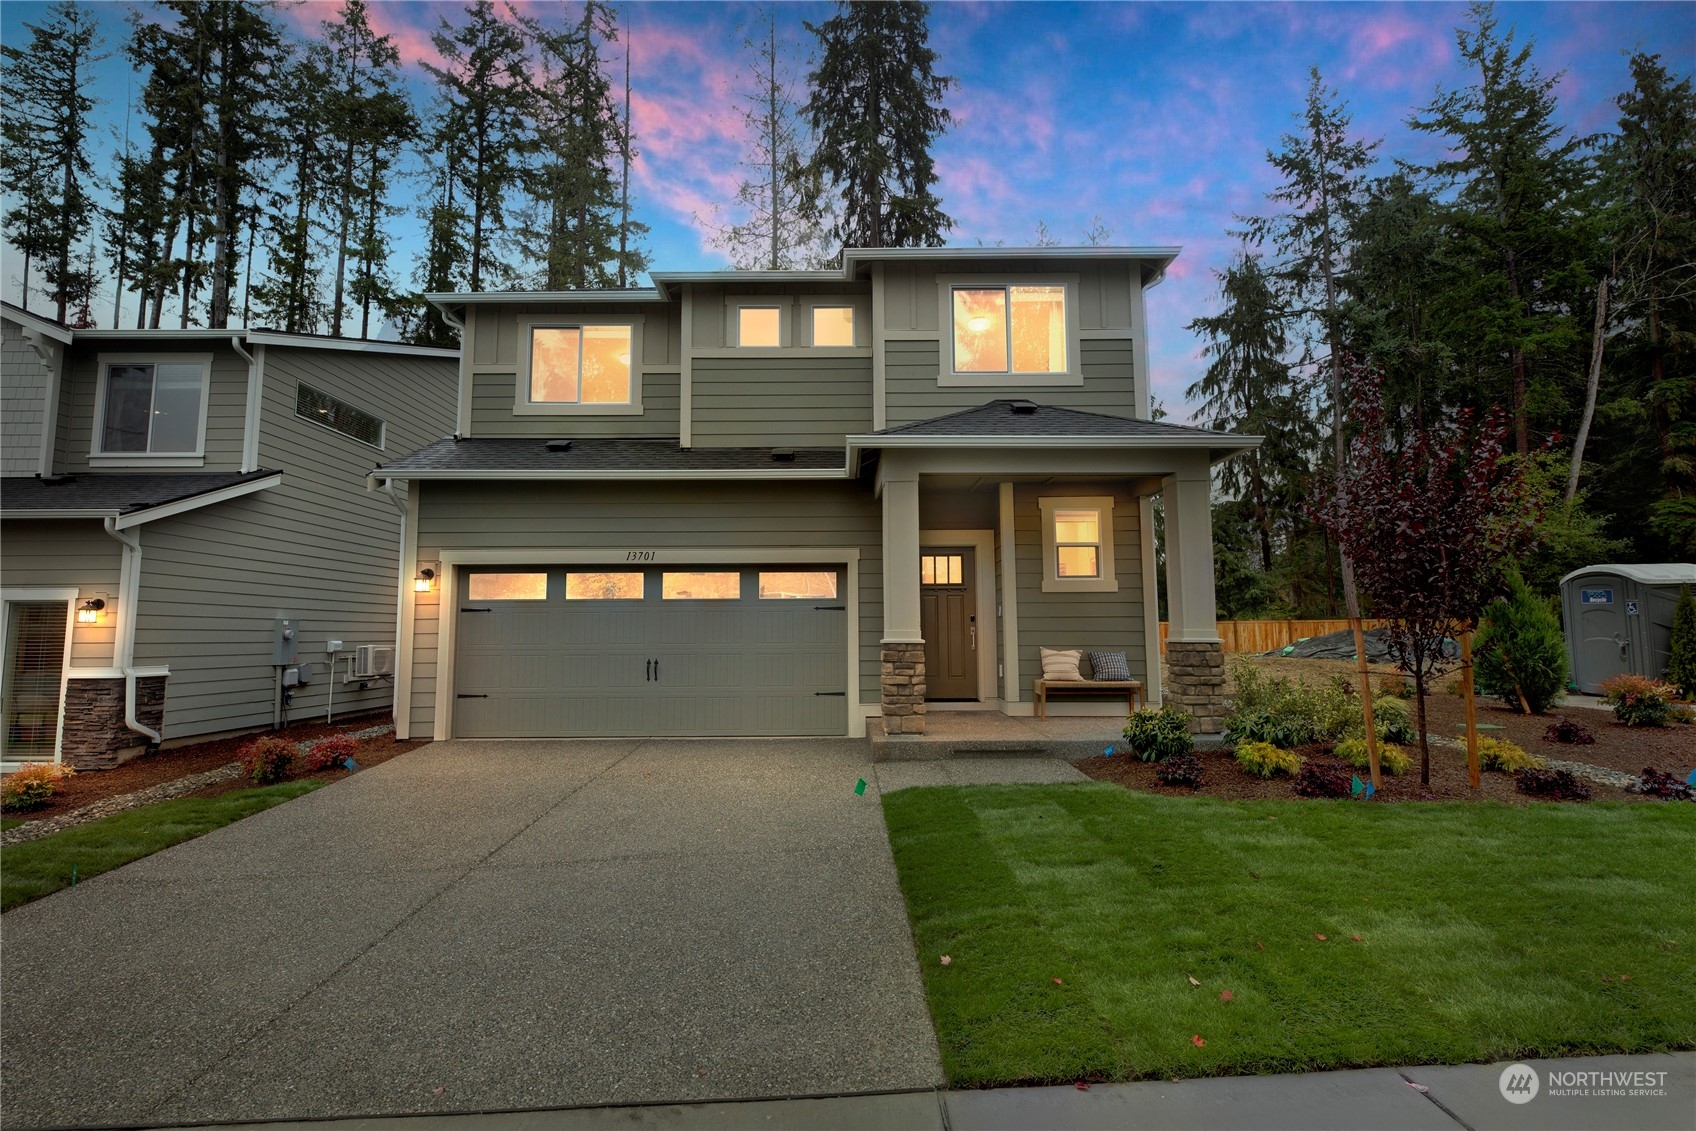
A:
(476, 610)
(818, 608)
(463, 695)
(830, 693)
(650, 674)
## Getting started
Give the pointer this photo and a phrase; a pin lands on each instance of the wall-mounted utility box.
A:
(285, 640)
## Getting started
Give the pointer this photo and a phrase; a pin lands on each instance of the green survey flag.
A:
(860, 788)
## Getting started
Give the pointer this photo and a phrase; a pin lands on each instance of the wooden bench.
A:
(1046, 687)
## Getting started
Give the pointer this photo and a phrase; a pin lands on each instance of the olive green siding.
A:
(63, 555)
(913, 394)
(712, 306)
(492, 398)
(493, 330)
(226, 405)
(524, 515)
(781, 402)
(912, 301)
(24, 379)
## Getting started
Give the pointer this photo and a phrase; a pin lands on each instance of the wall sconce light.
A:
(425, 579)
(89, 612)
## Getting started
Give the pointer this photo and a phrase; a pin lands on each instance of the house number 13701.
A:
(639, 555)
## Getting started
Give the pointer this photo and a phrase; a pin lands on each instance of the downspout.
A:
(403, 608)
(462, 410)
(255, 395)
(129, 603)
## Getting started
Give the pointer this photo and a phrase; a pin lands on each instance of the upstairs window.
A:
(581, 365)
(759, 326)
(833, 326)
(152, 407)
(322, 408)
(1009, 329)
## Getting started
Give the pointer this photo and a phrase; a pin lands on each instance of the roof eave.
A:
(497, 474)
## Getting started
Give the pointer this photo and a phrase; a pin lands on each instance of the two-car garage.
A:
(634, 650)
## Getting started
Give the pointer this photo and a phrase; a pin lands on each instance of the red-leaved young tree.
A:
(1429, 523)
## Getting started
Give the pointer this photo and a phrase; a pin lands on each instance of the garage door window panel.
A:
(814, 585)
(618, 586)
(705, 586)
(507, 587)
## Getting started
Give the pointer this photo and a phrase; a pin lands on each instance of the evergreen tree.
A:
(876, 106)
(1324, 190)
(1519, 654)
(291, 293)
(1681, 662)
(44, 147)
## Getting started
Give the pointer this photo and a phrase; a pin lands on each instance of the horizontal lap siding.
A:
(23, 403)
(913, 393)
(226, 407)
(319, 547)
(63, 555)
(492, 401)
(616, 516)
(780, 402)
(494, 329)
(1108, 622)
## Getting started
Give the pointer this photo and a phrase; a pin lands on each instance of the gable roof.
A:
(1024, 423)
(132, 498)
(476, 457)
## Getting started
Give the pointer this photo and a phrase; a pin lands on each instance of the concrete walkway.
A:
(1448, 1098)
(484, 926)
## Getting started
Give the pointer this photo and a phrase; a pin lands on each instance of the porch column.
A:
(1195, 659)
(903, 668)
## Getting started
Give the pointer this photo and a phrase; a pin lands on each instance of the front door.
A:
(948, 617)
(34, 677)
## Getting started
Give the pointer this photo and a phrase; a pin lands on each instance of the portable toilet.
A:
(1619, 620)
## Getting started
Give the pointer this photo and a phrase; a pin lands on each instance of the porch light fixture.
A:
(89, 611)
(425, 579)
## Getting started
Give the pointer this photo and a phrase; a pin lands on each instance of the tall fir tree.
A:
(290, 295)
(876, 106)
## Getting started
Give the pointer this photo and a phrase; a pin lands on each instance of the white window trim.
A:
(382, 425)
(522, 404)
(1052, 582)
(735, 304)
(103, 364)
(70, 597)
(949, 378)
(861, 305)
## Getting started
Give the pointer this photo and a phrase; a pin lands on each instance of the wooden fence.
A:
(1266, 635)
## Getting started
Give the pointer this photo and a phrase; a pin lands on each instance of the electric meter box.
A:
(285, 640)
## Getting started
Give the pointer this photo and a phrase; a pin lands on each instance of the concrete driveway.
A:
(483, 926)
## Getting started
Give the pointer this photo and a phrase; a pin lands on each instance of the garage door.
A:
(601, 652)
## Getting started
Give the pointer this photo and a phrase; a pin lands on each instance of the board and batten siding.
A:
(226, 406)
(319, 547)
(43, 554)
(1106, 622)
(912, 392)
(24, 379)
(792, 402)
(492, 398)
(619, 516)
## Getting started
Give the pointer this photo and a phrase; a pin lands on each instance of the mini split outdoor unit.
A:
(373, 659)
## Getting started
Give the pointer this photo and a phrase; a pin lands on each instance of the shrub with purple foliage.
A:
(1556, 785)
(1324, 779)
(1569, 733)
(1653, 783)
(1184, 770)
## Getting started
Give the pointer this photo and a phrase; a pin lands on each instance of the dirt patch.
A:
(169, 765)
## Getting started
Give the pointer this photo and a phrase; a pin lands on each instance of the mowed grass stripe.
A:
(1487, 931)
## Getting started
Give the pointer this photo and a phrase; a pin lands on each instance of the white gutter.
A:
(255, 391)
(129, 604)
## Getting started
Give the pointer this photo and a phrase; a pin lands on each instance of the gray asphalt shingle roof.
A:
(998, 418)
(494, 454)
(119, 492)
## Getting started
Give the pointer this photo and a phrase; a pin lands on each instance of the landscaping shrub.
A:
(1569, 733)
(1519, 655)
(1264, 760)
(1393, 721)
(1504, 756)
(327, 753)
(1681, 665)
(1392, 759)
(1639, 701)
(1284, 731)
(1181, 769)
(1653, 783)
(267, 759)
(1395, 687)
(1557, 785)
(32, 786)
(1158, 735)
(1324, 779)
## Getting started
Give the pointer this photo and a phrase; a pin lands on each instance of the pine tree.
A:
(876, 106)
(1681, 663)
(290, 296)
(1519, 654)
(44, 127)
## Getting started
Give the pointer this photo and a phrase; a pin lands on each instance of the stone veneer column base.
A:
(1196, 683)
(95, 735)
(903, 689)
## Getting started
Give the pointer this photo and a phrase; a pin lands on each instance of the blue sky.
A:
(1155, 117)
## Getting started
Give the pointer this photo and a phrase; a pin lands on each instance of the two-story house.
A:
(186, 528)
(784, 503)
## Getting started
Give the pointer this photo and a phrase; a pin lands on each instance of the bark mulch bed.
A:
(372, 752)
(168, 765)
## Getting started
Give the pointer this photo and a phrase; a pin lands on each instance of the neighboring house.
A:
(172, 502)
(782, 503)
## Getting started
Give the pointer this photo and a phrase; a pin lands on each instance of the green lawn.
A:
(40, 867)
(1486, 931)
(10, 822)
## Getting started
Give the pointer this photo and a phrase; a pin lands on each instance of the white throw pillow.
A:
(1061, 664)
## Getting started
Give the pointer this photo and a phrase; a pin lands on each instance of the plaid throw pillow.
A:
(1109, 665)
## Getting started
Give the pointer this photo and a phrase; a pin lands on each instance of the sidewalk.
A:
(1435, 1098)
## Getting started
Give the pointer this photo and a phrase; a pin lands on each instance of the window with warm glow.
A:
(507, 587)
(603, 587)
(585, 365)
(810, 584)
(701, 586)
(759, 326)
(1013, 329)
(833, 326)
(940, 569)
(1077, 543)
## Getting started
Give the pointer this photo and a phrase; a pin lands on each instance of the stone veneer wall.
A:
(95, 735)
(903, 689)
(1195, 681)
